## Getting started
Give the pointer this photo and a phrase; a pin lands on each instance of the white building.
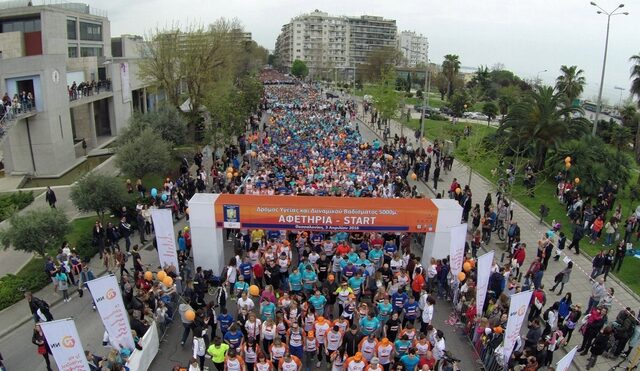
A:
(414, 47)
(332, 44)
(44, 51)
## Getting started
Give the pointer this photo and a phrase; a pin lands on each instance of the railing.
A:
(9, 114)
(87, 90)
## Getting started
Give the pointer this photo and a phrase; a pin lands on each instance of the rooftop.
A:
(60, 4)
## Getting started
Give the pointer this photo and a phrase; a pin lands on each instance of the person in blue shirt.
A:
(182, 243)
(401, 346)
(410, 360)
(240, 286)
(318, 301)
(295, 281)
(398, 300)
(309, 278)
(273, 235)
(267, 310)
(225, 320)
(442, 279)
(369, 324)
(233, 337)
(375, 256)
(384, 310)
(411, 310)
(246, 269)
(355, 283)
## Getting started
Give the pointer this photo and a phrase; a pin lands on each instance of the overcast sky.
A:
(527, 36)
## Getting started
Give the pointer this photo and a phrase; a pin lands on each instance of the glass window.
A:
(71, 29)
(90, 31)
(73, 51)
(91, 51)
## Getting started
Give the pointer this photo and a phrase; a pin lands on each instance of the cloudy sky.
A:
(527, 36)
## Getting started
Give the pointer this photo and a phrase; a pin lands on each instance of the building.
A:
(414, 48)
(332, 45)
(82, 94)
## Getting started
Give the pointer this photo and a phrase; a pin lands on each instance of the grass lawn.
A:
(485, 161)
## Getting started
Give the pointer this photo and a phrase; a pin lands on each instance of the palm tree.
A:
(450, 68)
(635, 75)
(570, 83)
(542, 119)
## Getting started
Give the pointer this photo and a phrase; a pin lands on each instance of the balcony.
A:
(9, 115)
(90, 91)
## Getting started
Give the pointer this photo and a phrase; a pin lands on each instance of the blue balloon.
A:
(164, 197)
(154, 192)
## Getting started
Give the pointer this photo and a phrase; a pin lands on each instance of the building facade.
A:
(414, 47)
(61, 55)
(332, 46)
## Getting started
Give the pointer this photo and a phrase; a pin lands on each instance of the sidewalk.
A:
(531, 230)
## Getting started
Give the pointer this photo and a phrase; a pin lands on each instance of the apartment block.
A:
(414, 47)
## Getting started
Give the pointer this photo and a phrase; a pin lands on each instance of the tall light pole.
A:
(426, 89)
(620, 100)
(604, 60)
(538, 76)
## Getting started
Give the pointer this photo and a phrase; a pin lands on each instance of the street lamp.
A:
(426, 89)
(538, 76)
(620, 100)
(604, 60)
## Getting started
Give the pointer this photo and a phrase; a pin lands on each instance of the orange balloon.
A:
(148, 276)
(254, 290)
(461, 276)
(168, 281)
(466, 267)
(190, 315)
(229, 175)
(577, 180)
(567, 165)
(472, 262)
(161, 275)
(414, 176)
(567, 159)
(186, 211)
(458, 190)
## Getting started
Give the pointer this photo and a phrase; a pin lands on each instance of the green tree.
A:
(98, 193)
(165, 121)
(36, 231)
(143, 154)
(570, 83)
(507, 97)
(378, 62)
(450, 69)
(458, 101)
(593, 162)
(620, 136)
(385, 99)
(543, 120)
(409, 82)
(635, 77)
(491, 110)
(299, 69)
(440, 81)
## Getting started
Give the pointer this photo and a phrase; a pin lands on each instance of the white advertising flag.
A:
(456, 251)
(66, 348)
(517, 311)
(565, 362)
(126, 83)
(484, 271)
(165, 238)
(108, 299)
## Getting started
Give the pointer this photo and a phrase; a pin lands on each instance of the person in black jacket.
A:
(37, 303)
(578, 234)
(50, 197)
(352, 340)
(98, 237)
(599, 346)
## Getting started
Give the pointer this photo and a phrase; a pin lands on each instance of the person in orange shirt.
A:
(263, 363)
(410, 331)
(342, 323)
(417, 284)
(289, 363)
(374, 365)
(355, 363)
(311, 345)
(368, 346)
(422, 345)
(233, 362)
(277, 350)
(384, 353)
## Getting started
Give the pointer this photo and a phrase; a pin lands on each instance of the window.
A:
(72, 51)
(90, 31)
(21, 25)
(71, 29)
(91, 51)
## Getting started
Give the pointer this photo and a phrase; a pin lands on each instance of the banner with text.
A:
(66, 348)
(484, 271)
(565, 362)
(165, 238)
(331, 214)
(456, 249)
(517, 311)
(108, 299)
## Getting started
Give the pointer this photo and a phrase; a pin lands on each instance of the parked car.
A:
(478, 116)
(331, 95)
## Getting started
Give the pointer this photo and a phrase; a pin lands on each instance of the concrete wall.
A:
(51, 136)
(11, 45)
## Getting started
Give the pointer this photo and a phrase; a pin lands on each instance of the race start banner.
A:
(330, 214)
(165, 238)
(484, 271)
(108, 299)
(66, 348)
(517, 311)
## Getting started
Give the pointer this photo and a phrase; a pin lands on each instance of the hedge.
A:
(32, 277)
(10, 202)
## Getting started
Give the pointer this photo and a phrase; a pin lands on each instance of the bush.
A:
(9, 203)
(438, 117)
(408, 95)
(32, 277)
(419, 93)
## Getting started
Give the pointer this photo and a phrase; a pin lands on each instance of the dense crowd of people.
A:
(20, 103)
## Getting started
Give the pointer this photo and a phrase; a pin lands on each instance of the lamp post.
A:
(619, 100)
(426, 89)
(604, 59)
(538, 76)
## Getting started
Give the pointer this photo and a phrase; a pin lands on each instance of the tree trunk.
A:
(541, 155)
(636, 146)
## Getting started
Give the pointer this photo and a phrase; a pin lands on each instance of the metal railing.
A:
(89, 89)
